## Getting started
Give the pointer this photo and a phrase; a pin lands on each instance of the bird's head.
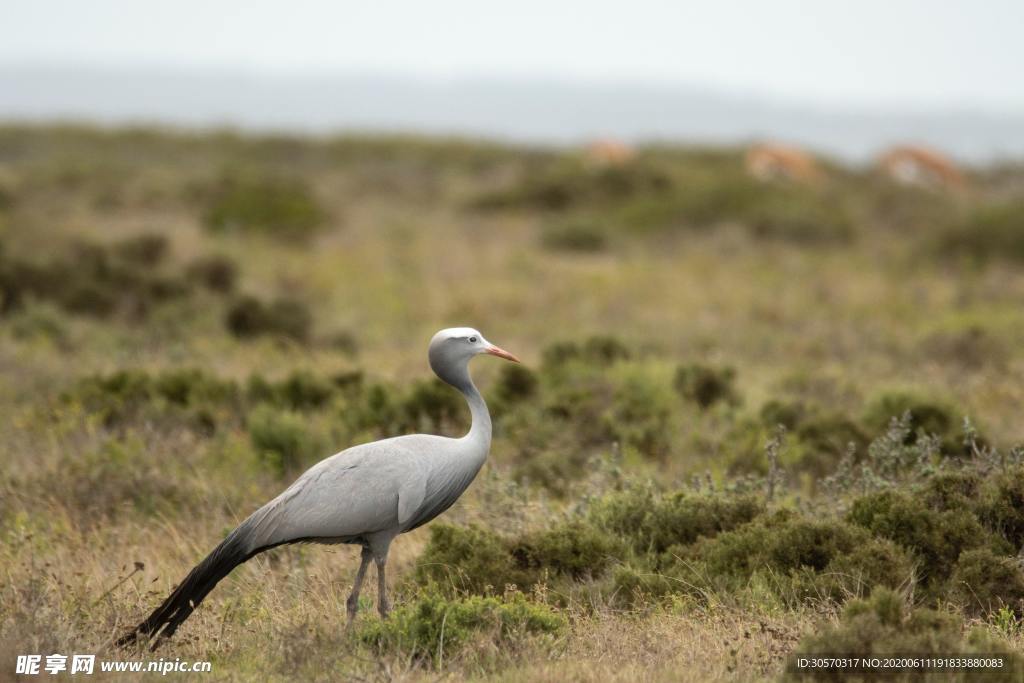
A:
(451, 349)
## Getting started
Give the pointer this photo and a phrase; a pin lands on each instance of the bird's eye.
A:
(472, 340)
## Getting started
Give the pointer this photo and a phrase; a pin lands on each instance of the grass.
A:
(188, 320)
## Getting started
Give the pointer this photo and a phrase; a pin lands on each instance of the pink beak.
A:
(501, 353)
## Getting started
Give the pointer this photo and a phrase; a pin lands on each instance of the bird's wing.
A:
(410, 496)
(363, 490)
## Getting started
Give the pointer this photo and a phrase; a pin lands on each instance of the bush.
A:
(639, 414)
(571, 184)
(249, 317)
(787, 414)
(809, 544)
(115, 397)
(573, 549)
(433, 627)
(1001, 507)
(579, 235)
(637, 586)
(144, 250)
(983, 582)
(191, 387)
(94, 280)
(652, 524)
(301, 390)
(376, 409)
(270, 205)
(478, 561)
(991, 231)
(431, 406)
(782, 542)
(799, 217)
(706, 385)
(186, 395)
(951, 490)
(604, 350)
(927, 416)
(283, 440)
(936, 537)
(875, 562)
(515, 384)
(885, 625)
(600, 350)
(215, 273)
(470, 559)
(826, 439)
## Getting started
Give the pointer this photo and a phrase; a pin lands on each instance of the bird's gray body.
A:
(370, 493)
(367, 494)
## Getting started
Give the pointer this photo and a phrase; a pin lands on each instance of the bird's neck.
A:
(480, 431)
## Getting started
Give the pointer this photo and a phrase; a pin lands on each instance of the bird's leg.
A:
(383, 606)
(352, 604)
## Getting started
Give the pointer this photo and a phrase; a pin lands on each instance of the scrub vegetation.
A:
(755, 420)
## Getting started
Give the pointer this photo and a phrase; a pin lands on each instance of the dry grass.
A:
(400, 256)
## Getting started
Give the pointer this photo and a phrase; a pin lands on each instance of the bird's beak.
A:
(500, 353)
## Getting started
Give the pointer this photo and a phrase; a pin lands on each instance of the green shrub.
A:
(515, 384)
(270, 205)
(1001, 505)
(652, 523)
(377, 409)
(789, 414)
(434, 627)
(92, 281)
(800, 217)
(574, 549)
(936, 537)
(639, 414)
(991, 231)
(115, 397)
(983, 582)
(784, 544)
(431, 405)
(192, 387)
(144, 250)
(301, 390)
(188, 396)
(249, 317)
(605, 350)
(216, 273)
(875, 562)
(470, 559)
(885, 625)
(810, 543)
(571, 184)
(282, 440)
(576, 234)
(951, 490)
(478, 561)
(826, 438)
(636, 586)
(599, 350)
(926, 416)
(706, 385)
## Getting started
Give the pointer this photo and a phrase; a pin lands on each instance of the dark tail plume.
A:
(166, 618)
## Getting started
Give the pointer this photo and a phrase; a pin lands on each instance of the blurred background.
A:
(762, 261)
(841, 79)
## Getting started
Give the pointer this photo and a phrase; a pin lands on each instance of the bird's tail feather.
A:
(165, 619)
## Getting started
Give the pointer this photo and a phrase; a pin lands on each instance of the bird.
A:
(365, 495)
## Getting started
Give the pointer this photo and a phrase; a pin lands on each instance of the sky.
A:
(953, 54)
